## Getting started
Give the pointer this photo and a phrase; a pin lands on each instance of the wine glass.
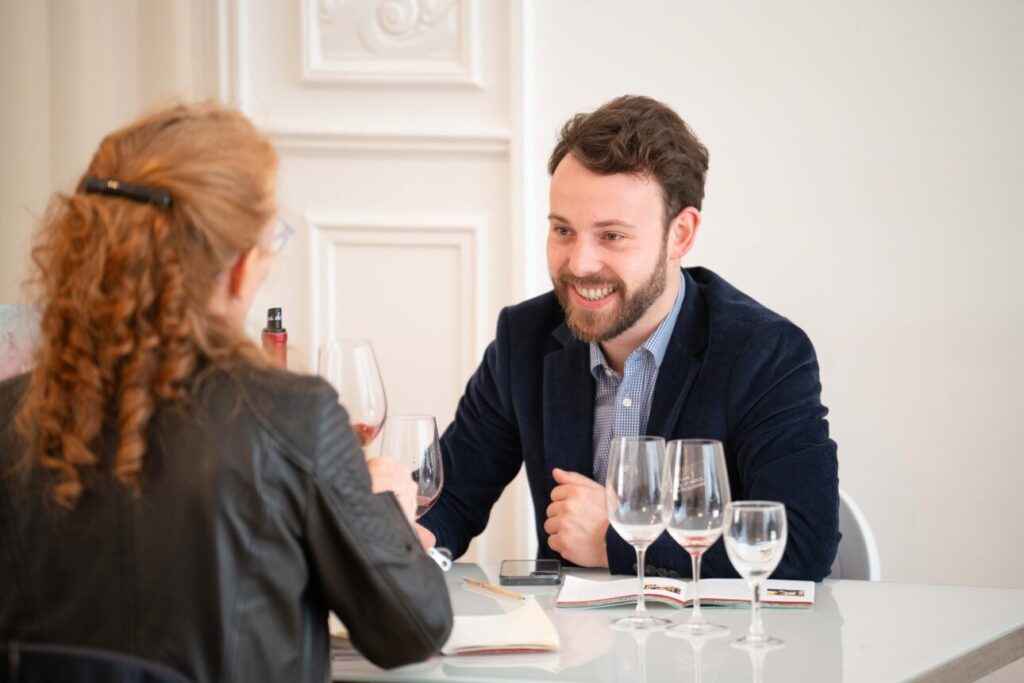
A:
(633, 494)
(696, 492)
(412, 441)
(351, 368)
(755, 538)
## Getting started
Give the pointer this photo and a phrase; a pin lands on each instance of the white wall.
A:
(70, 72)
(866, 164)
(24, 136)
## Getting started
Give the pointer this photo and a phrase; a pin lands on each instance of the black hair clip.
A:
(137, 193)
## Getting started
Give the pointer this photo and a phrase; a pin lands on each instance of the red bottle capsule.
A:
(275, 337)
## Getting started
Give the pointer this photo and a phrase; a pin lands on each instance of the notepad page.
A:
(525, 629)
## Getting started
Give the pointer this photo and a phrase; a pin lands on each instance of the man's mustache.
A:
(591, 281)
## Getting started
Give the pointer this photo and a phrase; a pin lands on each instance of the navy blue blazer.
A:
(734, 371)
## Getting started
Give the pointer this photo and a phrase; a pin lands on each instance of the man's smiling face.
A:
(606, 248)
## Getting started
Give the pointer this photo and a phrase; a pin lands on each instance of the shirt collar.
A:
(656, 345)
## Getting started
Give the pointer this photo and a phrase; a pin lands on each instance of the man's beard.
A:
(598, 326)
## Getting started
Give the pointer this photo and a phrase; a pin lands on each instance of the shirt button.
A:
(608, 373)
(627, 401)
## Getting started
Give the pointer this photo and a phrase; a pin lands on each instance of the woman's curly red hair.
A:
(125, 287)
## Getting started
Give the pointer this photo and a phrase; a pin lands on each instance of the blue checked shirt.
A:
(622, 404)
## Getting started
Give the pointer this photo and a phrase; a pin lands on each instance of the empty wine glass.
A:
(412, 441)
(351, 368)
(755, 538)
(696, 491)
(633, 494)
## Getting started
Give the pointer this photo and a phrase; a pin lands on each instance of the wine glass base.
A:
(763, 643)
(635, 623)
(698, 629)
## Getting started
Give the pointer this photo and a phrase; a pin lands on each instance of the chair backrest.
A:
(31, 663)
(858, 551)
(19, 337)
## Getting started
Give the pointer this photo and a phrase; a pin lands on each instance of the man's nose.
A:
(584, 259)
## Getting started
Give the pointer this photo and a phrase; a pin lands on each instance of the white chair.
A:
(858, 551)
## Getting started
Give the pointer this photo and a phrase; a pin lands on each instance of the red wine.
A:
(695, 541)
(366, 433)
(424, 503)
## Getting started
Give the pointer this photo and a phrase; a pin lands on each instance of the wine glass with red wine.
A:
(412, 441)
(351, 368)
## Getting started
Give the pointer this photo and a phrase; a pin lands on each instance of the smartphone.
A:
(530, 573)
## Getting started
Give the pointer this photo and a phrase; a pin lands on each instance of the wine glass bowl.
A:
(635, 503)
(412, 441)
(696, 491)
(350, 366)
(755, 540)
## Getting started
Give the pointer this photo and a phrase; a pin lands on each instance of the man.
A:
(628, 343)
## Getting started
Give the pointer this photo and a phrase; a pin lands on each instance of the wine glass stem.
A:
(756, 628)
(641, 610)
(696, 617)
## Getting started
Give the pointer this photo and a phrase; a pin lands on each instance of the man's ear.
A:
(239, 275)
(683, 232)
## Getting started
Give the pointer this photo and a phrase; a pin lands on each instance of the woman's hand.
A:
(387, 475)
(427, 539)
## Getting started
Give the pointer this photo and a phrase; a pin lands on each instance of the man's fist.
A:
(577, 519)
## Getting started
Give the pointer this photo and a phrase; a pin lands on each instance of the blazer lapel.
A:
(568, 407)
(682, 362)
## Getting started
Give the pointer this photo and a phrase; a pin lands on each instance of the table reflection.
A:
(697, 642)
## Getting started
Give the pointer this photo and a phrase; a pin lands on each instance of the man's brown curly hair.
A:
(638, 135)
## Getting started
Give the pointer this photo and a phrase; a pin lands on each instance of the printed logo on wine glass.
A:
(691, 482)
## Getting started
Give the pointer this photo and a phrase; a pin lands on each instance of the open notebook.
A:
(579, 592)
(525, 629)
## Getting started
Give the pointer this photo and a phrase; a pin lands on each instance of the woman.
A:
(164, 491)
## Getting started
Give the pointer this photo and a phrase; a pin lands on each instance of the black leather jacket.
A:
(255, 518)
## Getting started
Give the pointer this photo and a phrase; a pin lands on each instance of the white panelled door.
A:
(392, 119)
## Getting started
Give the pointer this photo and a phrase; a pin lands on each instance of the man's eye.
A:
(561, 230)
(613, 236)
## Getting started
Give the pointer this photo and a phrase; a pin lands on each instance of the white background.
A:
(865, 181)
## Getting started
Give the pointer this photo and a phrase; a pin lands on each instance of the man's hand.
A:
(577, 519)
(387, 475)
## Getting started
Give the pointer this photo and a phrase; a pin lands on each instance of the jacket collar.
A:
(682, 361)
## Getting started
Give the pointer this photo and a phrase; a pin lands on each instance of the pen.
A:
(492, 588)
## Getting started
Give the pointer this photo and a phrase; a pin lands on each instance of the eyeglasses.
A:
(282, 233)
